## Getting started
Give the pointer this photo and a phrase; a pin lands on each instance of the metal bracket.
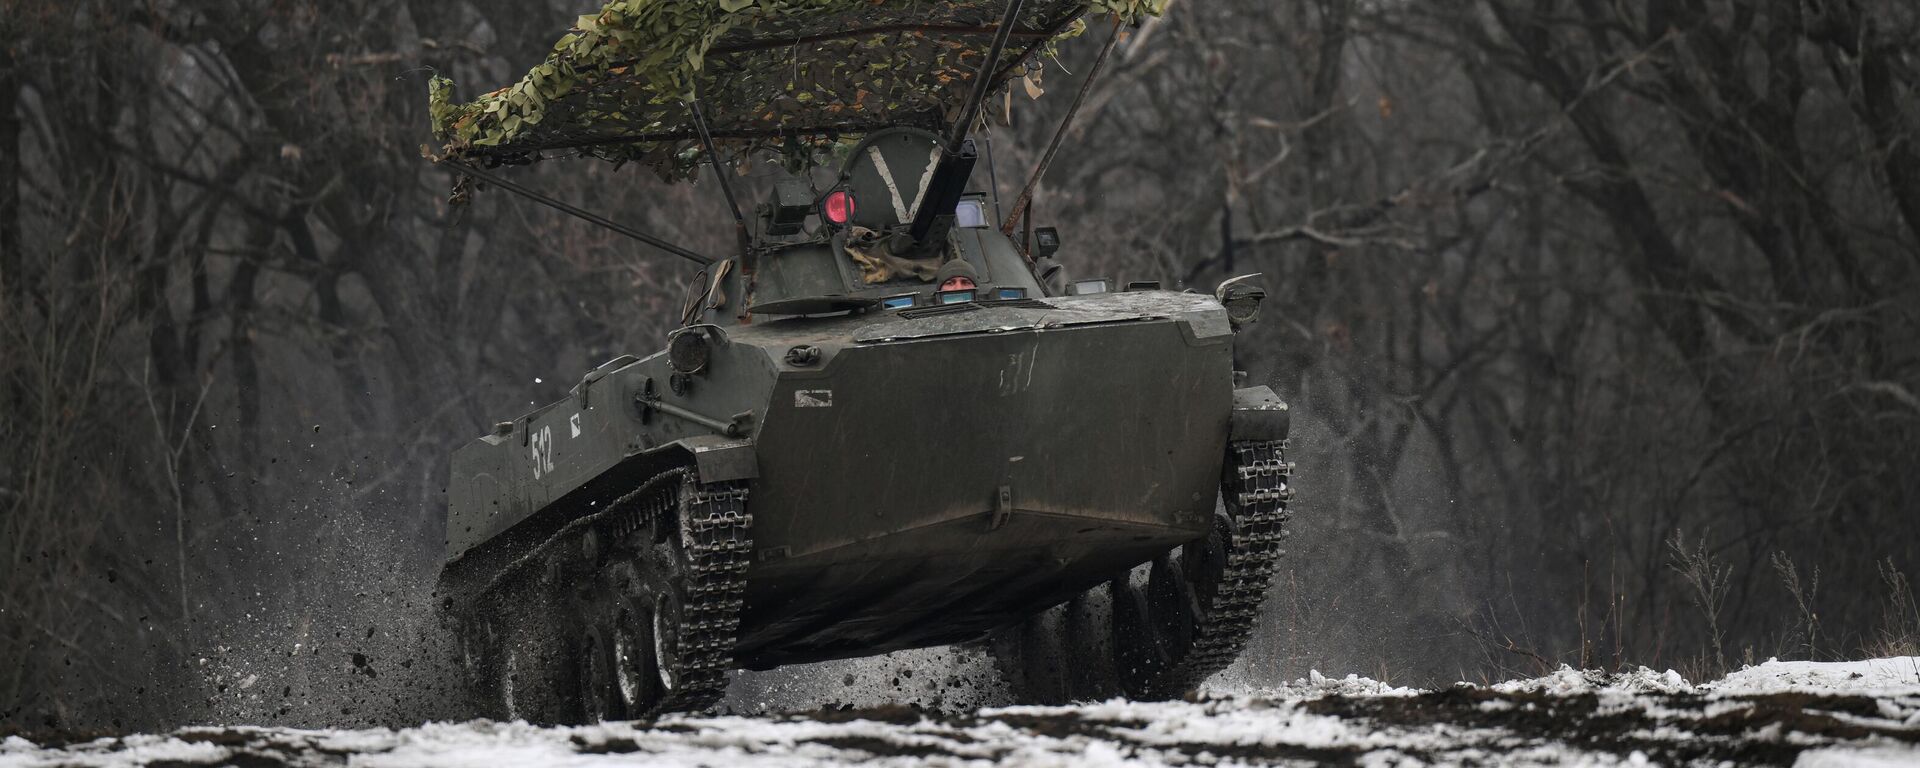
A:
(1002, 508)
(583, 389)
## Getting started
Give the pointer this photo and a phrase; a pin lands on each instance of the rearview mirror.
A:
(1052, 275)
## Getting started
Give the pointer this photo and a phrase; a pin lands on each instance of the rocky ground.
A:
(1779, 713)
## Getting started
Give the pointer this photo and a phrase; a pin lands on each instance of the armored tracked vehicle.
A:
(836, 454)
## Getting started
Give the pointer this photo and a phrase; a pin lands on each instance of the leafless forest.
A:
(1600, 318)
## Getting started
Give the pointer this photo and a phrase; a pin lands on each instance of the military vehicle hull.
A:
(964, 479)
(882, 422)
(909, 478)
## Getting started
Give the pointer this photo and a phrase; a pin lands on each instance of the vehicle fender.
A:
(716, 458)
(1259, 414)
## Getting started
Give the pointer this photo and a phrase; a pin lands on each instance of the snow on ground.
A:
(1313, 686)
(1875, 677)
(1568, 680)
(1778, 713)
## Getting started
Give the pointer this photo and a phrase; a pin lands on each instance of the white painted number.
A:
(541, 443)
(1017, 376)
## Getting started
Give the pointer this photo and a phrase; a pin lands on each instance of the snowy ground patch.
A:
(1874, 677)
(1779, 713)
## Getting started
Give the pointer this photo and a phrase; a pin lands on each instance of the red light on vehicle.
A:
(838, 207)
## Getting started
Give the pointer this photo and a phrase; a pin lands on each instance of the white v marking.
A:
(893, 188)
(926, 178)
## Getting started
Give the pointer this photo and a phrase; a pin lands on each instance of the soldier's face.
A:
(957, 284)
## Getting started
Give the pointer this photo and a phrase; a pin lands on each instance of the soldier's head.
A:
(956, 275)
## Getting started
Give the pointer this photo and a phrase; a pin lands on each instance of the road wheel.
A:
(600, 699)
(674, 581)
(538, 669)
(1060, 655)
(1160, 629)
(1155, 611)
(636, 673)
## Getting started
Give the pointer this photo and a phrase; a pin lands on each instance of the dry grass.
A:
(1805, 595)
(1899, 633)
(1709, 580)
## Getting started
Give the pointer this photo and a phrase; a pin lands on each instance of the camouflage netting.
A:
(789, 76)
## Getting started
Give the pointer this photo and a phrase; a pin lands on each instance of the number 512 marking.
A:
(541, 445)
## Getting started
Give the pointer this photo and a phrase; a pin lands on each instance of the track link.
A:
(716, 535)
(1199, 608)
(715, 547)
(1255, 489)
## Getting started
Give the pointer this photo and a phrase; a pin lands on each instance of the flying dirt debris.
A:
(884, 422)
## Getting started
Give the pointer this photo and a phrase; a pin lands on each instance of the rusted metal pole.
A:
(580, 213)
(1026, 238)
(1024, 202)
